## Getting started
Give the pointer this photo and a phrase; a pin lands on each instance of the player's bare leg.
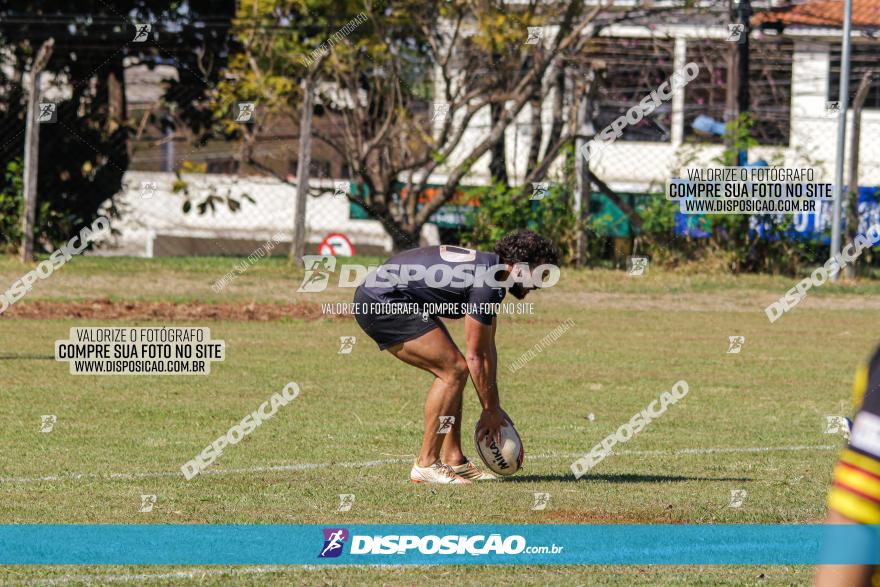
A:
(451, 449)
(452, 453)
(439, 405)
(435, 352)
(454, 457)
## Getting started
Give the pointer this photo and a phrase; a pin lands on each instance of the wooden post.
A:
(32, 152)
(584, 178)
(737, 99)
(852, 206)
(297, 247)
(731, 104)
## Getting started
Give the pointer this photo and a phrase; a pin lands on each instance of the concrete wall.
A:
(153, 222)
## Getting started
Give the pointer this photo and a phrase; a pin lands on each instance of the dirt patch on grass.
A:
(583, 517)
(752, 301)
(102, 308)
(113, 310)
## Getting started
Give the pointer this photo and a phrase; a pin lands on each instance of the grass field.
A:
(753, 421)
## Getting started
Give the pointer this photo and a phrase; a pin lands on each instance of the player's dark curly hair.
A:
(525, 246)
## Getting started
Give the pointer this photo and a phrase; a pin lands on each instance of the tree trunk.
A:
(31, 166)
(498, 164)
(31, 152)
(403, 240)
(298, 245)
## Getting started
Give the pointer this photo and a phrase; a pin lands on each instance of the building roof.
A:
(822, 13)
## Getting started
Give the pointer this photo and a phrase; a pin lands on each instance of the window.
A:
(627, 71)
(316, 168)
(862, 58)
(769, 88)
(222, 166)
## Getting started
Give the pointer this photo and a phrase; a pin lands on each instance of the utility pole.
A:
(843, 96)
(730, 103)
(743, 16)
(32, 151)
(852, 182)
(737, 97)
(585, 131)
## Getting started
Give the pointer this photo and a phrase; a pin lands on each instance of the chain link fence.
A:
(174, 198)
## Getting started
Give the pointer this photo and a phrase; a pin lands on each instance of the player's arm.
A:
(855, 495)
(843, 575)
(482, 360)
(854, 499)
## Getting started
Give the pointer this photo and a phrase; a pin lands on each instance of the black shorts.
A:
(390, 329)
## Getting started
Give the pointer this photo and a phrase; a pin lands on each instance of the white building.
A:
(809, 35)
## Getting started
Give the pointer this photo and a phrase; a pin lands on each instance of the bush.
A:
(733, 244)
(504, 210)
(11, 201)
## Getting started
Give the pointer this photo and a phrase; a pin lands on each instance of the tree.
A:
(382, 79)
(85, 154)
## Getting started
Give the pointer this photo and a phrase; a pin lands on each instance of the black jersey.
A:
(456, 282)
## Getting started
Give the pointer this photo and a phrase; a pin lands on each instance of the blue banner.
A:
(157, 544)
(816, 226)
(812, 226)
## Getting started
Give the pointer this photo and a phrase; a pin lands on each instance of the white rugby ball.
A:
(506, 458)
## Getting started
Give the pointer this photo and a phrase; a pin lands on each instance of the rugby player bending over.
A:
(420, 339)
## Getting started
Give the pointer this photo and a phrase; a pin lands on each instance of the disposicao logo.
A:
(334, 540)
(317, 272)
(432, 544)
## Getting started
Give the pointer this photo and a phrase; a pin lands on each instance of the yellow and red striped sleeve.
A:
(856, 489)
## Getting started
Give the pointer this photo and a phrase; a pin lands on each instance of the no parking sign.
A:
(336, 244)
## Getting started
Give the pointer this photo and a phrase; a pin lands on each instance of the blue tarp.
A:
(812, 226)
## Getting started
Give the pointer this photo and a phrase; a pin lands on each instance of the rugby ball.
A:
(506, 458)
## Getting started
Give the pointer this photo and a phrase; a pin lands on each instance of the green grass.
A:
(632, 339)
(599, 576)
(275, 279)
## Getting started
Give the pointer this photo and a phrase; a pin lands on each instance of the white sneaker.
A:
(436, 473)
(472, 472)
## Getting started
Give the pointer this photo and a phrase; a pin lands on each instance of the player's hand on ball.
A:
(490, 423)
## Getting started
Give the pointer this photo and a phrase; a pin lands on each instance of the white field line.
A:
(377, 463)
(197, 573)
(709, 451)
(153, 474)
